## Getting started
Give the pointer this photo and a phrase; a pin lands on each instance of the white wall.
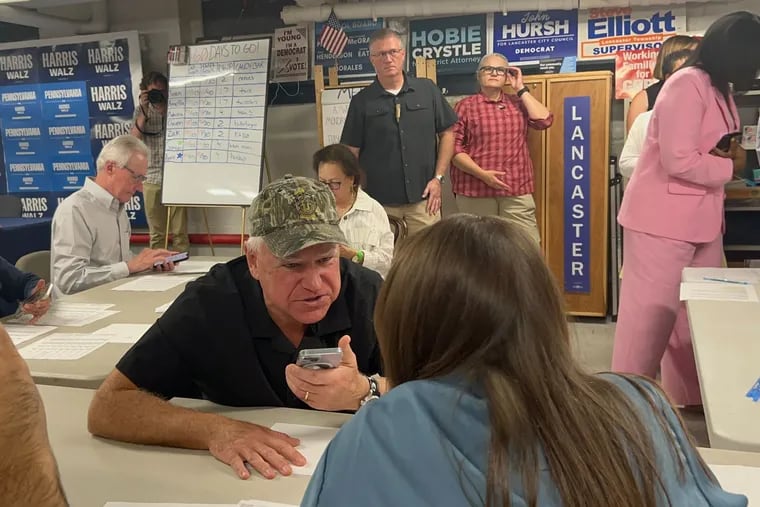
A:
(699, 16)
(161, 23)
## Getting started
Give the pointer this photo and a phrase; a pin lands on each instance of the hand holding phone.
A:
(725, 142)
(176, 259)
(38, 303)
(319, 359)
(42, 292)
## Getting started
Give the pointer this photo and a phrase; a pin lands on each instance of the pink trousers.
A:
(652, 328)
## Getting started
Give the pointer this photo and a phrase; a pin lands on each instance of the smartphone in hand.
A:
(320, 359)
(176, 259)
(725, 142)
(40, 295)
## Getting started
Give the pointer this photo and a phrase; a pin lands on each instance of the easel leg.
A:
(242, 232)
(266, 167)
(208, 233)
(168, 226)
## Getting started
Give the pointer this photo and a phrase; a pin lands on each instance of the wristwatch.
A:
(373, 393)
(439, 177)
(522, 91)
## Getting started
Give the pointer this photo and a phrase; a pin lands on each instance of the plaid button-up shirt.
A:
(495, 135)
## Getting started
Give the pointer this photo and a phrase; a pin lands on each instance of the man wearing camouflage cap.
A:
(233, 336)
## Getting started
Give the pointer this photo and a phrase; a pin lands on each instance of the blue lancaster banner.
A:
(59, 104)
(354, 62)
(538, 41)
(577, 157)
(456, 43)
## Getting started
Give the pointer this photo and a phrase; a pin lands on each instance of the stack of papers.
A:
(21, 333)
(154, 283)
(63, 346)
(718, 291)
(65, 313)
(314, 440)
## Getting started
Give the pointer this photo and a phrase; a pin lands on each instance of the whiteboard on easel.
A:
(334, 103)
(215, 123)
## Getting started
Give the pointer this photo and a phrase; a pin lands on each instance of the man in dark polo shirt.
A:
(398, 127)
(233, 337)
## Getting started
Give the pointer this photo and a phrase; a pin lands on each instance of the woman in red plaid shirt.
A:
(491, 172)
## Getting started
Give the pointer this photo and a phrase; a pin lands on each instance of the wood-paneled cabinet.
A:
(571, 164)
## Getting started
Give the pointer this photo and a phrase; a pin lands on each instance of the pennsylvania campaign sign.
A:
(59, 104)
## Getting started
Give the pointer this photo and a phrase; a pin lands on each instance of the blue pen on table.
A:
(725, 280)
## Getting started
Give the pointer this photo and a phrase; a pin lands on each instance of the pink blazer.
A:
(676, 191)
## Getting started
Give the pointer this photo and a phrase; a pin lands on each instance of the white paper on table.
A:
(738, 274)
(716, 291)
(314, 440)
(63, 313)
(63, 346)
(201, 267)
(80, 307)
(164, 307)
(739, 479)
(21, 333)
(123, 333)
(154, 283)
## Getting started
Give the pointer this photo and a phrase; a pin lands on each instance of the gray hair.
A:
(119, 150)
(253, 244)
(489, 55)
(384, 33)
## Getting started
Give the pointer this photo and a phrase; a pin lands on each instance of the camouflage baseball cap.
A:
(294, 213)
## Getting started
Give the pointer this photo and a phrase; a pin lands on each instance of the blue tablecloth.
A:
(20, 236)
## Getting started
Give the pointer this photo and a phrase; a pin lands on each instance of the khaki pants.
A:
(415, 215)
(155, 212)
(520, 210)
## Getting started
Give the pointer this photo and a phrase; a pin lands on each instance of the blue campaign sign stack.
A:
(59, 104)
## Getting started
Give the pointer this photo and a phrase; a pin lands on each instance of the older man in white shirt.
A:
(91, 231)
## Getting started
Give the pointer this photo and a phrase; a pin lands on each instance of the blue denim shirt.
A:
(426, 443)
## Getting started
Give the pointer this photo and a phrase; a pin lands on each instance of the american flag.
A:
(333, 38)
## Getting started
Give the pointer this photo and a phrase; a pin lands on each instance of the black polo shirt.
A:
(218, 342)
(398, 146)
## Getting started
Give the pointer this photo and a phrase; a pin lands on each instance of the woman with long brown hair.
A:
(487, 405)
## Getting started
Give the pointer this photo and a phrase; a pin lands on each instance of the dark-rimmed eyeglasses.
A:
(393, 53)
(499, 71)
(333, 184)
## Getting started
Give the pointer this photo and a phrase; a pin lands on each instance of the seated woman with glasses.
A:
(362, 219)
(487, 405)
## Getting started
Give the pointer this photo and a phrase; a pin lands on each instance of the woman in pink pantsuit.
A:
(672, 210)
